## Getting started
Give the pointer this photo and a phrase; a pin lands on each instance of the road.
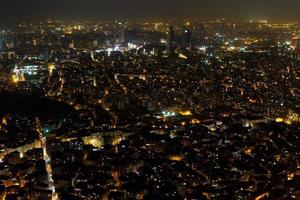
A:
(46, 158)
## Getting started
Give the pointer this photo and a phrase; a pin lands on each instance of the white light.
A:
(202, 48)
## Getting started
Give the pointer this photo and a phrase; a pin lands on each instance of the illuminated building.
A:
(171, 40)
(129, 36)
(187, 39)
(34, 74)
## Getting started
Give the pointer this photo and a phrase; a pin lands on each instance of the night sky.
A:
(17, 10)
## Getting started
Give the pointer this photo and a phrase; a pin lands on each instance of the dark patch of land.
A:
(31, 104)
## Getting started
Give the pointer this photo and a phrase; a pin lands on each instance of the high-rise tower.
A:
(187, 39)
(1, 43)
(171, 41)
(129, 36)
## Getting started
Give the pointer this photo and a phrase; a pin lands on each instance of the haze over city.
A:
(14, 10)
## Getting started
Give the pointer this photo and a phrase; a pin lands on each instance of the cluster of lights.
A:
(131, 46)
(51, 67)
(186, 113)
(30, 69)
(172, 114)
(17, 76)
(168, 114)
(289, 119)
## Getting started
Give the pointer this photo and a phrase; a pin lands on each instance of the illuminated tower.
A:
(170, 42)
(187, 39)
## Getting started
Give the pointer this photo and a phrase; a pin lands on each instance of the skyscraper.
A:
(170, 42)
(187, 39)
(1, 44)
(129, 36)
